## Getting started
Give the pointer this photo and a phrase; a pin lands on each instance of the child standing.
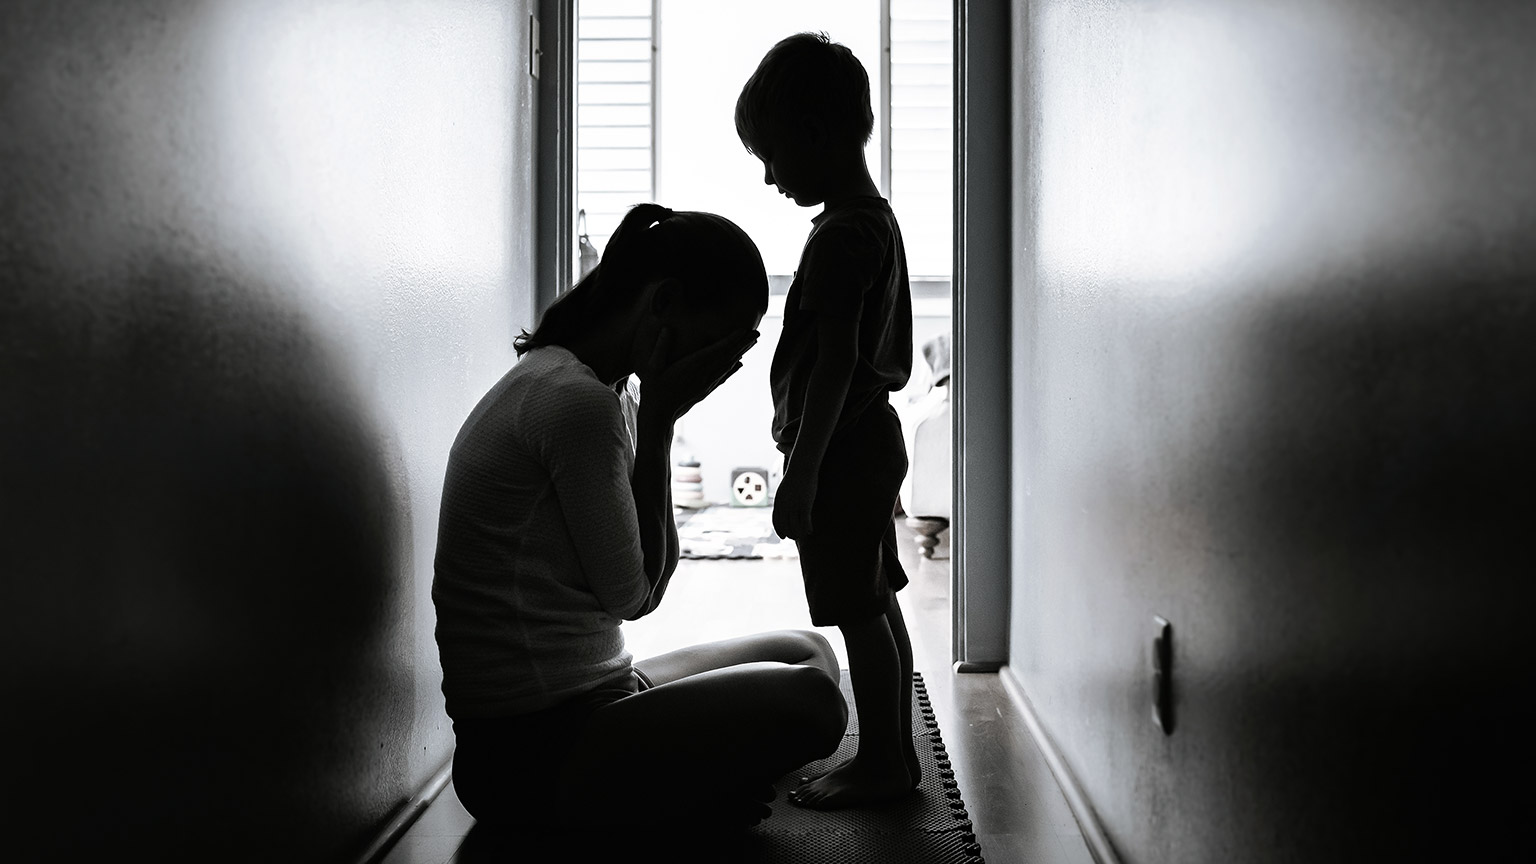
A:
(846, 344)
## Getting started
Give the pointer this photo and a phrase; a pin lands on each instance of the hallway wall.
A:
(1274, 326)
(258, 259)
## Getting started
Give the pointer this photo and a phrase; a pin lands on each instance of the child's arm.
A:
(837, 353)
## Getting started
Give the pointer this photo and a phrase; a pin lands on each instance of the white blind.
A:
(615, 110)
(921, 120)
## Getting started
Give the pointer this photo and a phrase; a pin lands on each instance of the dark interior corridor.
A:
(1271, 327)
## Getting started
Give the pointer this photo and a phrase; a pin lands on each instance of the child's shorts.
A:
(849, 561)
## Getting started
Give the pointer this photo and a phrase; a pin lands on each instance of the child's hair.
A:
(716, 261)
(806, 73)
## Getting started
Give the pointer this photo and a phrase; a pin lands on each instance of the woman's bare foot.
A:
(732, 809)
(854, 783)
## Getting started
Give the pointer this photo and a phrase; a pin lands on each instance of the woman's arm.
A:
(652, 487)
(619, 512)
(586, 449)
(668, 389)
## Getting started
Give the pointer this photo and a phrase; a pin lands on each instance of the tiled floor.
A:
(1019, 813)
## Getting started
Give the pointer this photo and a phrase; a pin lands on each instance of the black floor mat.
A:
(929, 826)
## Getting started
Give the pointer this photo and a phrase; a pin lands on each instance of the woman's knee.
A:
(819, 701)
(812, 649)
(818, 646)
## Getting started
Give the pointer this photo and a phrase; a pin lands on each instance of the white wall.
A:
(258, 260)
(1273, 341)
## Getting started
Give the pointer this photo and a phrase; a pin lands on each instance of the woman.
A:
(557, 524)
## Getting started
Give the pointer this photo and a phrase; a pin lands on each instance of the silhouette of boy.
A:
(846, 344)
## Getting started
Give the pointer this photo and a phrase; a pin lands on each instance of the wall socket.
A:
(535, 48)
(1162, 674)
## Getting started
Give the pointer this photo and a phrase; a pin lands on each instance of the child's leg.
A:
(879, 769)
(903, 643)
(849, 561)
(904, 650)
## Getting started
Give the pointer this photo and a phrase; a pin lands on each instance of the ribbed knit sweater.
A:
(538, 549)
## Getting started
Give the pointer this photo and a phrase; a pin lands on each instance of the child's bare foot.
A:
(909, 754)
(914, 767)
(852, 784)
(806, 778)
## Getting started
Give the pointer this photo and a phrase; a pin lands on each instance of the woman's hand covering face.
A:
(677, 385)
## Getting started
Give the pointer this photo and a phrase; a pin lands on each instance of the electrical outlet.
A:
(535, 52)
(1162, 674)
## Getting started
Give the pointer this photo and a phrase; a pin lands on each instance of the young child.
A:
(846, 344)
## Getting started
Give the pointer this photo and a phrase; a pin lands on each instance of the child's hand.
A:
(792, 505)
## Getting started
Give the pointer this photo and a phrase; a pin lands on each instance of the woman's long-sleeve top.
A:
(538, 551)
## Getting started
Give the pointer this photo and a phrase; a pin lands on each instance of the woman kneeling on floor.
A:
(557, 525)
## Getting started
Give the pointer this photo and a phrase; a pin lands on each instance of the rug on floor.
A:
(722, 531)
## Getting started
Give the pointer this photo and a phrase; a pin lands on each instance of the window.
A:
(615, 111)
(918, 175)
(657, 82)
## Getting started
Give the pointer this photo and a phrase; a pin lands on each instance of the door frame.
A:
(555, 154)
(980, 532)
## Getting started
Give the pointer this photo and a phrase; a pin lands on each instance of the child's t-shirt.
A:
(853, 267)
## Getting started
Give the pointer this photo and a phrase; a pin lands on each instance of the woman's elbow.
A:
(633, 609)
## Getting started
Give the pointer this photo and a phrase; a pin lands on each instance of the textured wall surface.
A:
(1274, 329)
(257, 261)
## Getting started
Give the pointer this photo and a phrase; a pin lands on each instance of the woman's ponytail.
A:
(626, 263)
(628, 253)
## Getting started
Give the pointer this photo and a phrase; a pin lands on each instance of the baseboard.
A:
(406, 816)
(1082, 809)
(964, 666)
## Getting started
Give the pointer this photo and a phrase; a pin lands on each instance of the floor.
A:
(1018, 810)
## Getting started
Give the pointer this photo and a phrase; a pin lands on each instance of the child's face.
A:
(790, 166)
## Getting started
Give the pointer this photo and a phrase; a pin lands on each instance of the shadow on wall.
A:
(1389, 447)
(201, 554)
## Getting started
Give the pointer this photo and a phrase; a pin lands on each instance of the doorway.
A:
(661, 124)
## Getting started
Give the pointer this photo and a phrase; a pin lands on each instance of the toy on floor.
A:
(749, 487)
